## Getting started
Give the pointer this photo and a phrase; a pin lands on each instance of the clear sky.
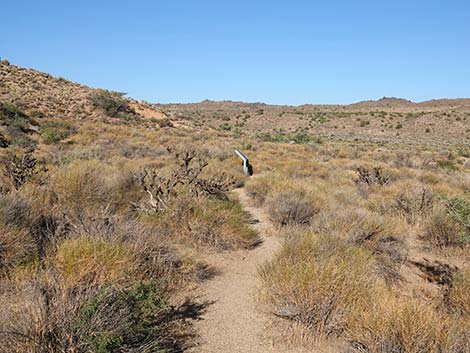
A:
(280, 52)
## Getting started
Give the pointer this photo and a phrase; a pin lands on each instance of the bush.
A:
(442, 230)
(54, 132)
(458, 209)
(401, 324)
(165, 122)
(317, 279)
(450, 223)
(20, 167)
(12, 116)
(292, 206)
(458, 296)
(113, 104)
(130, 319)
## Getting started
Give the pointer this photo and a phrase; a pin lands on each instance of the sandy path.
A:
(234, 322)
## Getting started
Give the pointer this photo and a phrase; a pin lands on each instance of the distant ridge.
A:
(382, 103)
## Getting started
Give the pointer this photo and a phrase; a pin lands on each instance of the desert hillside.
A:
(42, 95)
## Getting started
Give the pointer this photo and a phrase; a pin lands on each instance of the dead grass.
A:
(316, 279)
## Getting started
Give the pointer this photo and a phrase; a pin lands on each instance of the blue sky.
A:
(280, 52)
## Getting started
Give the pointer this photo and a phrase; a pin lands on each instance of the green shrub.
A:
(225, 127)
(11, 115)
(446, 164)
(458, 209)
(113, 104)
(54, 132)
(125, 319)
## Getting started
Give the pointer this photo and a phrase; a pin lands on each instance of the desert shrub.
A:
(292, 206)
(19, 138)
(12, 116)
(371, 177)
(402, 324)
(113, 104)
(187, 176)
(317, 279)
(165, 122)
(458, 208)
(55, 131)
(447, 165)
(20, 167)
(450, 223)
(458, 296)
(130, 319)
(414, 203)
(442, 230)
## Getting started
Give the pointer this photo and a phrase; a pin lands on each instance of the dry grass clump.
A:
(317, 279)
(292, 206)
(383, 237)
(395, 323)
(84, 258)
(206, 222)
(442, 230)
(259, 187)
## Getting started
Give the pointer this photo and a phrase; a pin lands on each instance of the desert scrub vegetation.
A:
(345, 274)
(87, 264)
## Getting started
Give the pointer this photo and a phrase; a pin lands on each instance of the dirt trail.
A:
(233, 321)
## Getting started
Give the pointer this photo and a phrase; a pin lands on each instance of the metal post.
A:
(247, 167)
